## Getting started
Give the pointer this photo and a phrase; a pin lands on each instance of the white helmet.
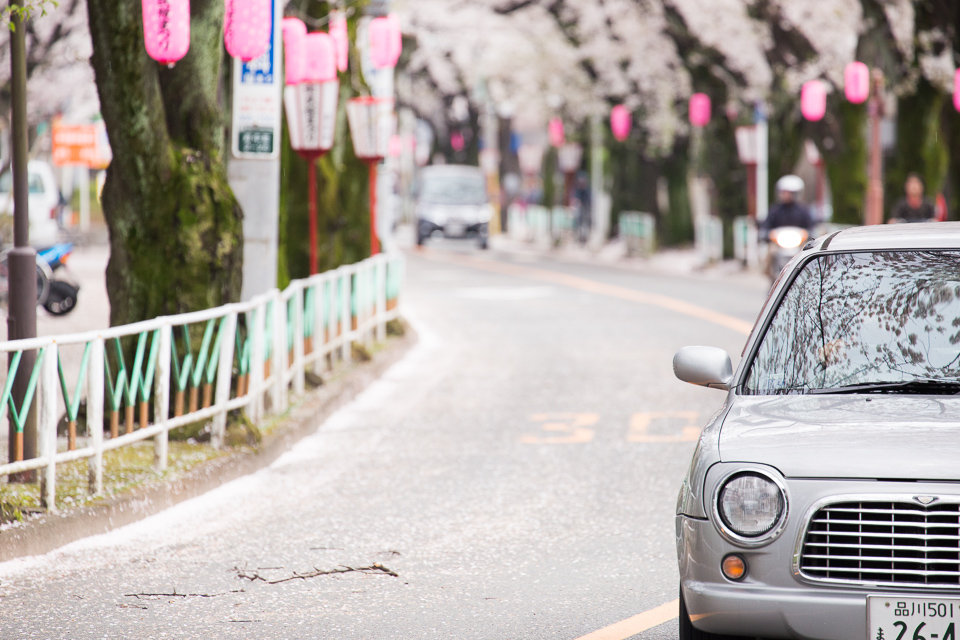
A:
(791, 183)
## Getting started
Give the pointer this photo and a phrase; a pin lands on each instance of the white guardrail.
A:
(249, 356)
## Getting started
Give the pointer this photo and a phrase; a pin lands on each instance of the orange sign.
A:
(78, 145)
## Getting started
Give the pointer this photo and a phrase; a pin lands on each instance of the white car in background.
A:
(44, 203)
(452, 201)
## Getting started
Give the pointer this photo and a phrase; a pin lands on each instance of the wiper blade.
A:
(917, 385)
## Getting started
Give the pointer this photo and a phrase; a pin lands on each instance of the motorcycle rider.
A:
(789, 211)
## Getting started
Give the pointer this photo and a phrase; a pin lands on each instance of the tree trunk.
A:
(920, 148)
(176, 234)
(951, 129)
(846, 163)
(676, 227)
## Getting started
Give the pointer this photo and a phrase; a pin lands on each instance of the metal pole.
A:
(596, 181)
(22, 260)
(312, 181)
(763, 158)
(374, 243)
(874, 212)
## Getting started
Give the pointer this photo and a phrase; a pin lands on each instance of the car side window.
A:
(35, 184)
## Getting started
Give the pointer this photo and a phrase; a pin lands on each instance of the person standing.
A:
(913, 207)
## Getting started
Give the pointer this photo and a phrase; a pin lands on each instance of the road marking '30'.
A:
(577, 428)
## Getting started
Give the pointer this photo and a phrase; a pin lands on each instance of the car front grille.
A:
(897, 543)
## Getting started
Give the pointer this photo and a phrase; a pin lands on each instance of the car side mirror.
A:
(704, 366)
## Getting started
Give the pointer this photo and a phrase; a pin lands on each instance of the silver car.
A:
(823, 499)
(452, 201)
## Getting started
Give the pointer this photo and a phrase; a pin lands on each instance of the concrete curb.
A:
(50, 531)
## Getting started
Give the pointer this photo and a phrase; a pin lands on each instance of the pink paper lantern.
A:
(246, 28)
(295, 57)
(856, 82)
(620, 122)
(386, 41)
(341, 41)
(699, 109)
(555, 132)
(813, 100)
(321, 65)
(166, 29)
(396, 146)
(956, 90)
(396, 39)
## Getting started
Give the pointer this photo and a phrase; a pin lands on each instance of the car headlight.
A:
(485, 214)
(750, 506)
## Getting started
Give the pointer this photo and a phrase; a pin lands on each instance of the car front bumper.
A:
(452, 229)
(773, 600)
(754, 609)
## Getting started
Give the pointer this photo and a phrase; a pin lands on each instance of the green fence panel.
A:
(19, 415)
(73, 404)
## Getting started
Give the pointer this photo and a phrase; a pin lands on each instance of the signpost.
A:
(84, 147)
(254, 168)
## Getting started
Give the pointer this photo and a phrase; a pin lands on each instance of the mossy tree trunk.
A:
(676, 227)
(845, 158)
(175, 227)
(633, 177)
(719, 160)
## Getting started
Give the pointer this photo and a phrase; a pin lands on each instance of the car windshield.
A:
(35, 183)
(864, 319)
(454, 190)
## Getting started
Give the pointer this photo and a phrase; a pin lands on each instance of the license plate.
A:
(900, 618)
(455, 229)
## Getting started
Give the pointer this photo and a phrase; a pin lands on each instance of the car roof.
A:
(924, 235)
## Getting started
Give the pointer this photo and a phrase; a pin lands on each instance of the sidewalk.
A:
(676, 262)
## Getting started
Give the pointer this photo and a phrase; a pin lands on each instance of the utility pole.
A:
(763, 159)
(874, 208)
(22, 260)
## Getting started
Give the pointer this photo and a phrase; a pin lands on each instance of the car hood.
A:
(905, 437)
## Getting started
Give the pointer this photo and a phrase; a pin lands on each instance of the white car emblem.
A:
(926, 499)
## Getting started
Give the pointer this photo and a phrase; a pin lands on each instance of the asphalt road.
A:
(517, 471)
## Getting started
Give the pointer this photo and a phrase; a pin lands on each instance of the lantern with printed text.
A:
(246, 28)
(856, 82)
(166, 29)
(372, 125)
(556, 133)
(341, 41)
(310, 100)
(699, 109)
(620, 122)
(813, 100)
(386, 41)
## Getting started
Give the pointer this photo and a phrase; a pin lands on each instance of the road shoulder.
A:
(50, 531)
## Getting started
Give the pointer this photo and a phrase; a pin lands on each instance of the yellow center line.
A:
(602, 288)
(636, 624)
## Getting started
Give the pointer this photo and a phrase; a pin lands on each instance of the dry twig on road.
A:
(375, 568)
